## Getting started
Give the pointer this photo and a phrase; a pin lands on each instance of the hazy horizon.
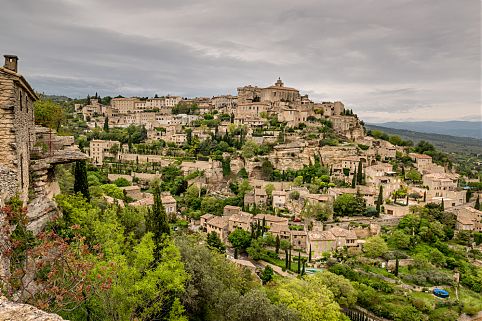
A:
(406, 60)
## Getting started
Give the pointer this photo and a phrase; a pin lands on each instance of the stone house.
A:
(231, 210)
(281, 230)
(257, 197)
(344, 237)
(270, 219)
(279, 199)
(100, 149)
(133, 191)
(396, 210)
(17, 130)
(421, 160)
(298, 239)
(169, 203)
(219, 225)
(240, 220)
(468, 219)
(204, 219)
(320, 242)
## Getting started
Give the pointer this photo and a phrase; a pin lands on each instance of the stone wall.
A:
(17, 134)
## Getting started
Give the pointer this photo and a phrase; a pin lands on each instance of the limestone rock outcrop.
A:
(10, 311)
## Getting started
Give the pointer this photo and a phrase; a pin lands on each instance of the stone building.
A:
(28, 155)
(17, 130)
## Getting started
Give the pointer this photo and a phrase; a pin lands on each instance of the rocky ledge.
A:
(10, 311)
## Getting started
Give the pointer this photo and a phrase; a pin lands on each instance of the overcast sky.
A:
(386, 59)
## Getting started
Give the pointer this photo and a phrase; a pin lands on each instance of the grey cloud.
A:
(377, 56)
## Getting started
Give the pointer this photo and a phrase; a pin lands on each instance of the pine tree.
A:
(380, 199)
(477, 203)
(106, 124)
(359, 177)
(353, 181)
(81, 184)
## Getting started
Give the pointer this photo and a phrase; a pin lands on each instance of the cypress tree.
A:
(359, 177)
(157, 223)
(380, 199)
(468, 195)
(289, 260)
(286, 259)
(442, 205)
(106, 124)
(303, 270)
(299, 262)
(309, 255)
(424, 197)
(477, 203)
(353, 181)
(81, 184)
(277, 244)
(396, 266)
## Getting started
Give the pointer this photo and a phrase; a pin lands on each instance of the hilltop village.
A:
(282, 186)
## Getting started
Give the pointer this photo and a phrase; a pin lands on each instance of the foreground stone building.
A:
(17, 130)
(28, 155)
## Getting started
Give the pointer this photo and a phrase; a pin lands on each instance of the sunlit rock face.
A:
(23, 312)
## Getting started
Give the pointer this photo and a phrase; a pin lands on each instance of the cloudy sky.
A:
(386, 59)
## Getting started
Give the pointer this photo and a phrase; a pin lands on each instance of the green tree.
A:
(477, 203)
(375, 246)
(215, 242)
(106, 124)
(413, 175)
(267, 169)
(314, 302)
(267, 274)
(157, 222)
(359, 176)
(49, 114)
(81, 184)
(349, 204)
(380, 199)
(354, 179)
(298, 181)
(344, 292)
(249, 149)
(278, 243)
(240, 239)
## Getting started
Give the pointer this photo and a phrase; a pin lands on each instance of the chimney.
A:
(11, 62)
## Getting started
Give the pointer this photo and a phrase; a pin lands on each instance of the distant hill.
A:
(447, 143)
(454, 128)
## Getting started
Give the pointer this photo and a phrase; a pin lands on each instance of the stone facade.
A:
(17, 130)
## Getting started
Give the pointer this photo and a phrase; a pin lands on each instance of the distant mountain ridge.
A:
(447, 143)
(453, 128)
